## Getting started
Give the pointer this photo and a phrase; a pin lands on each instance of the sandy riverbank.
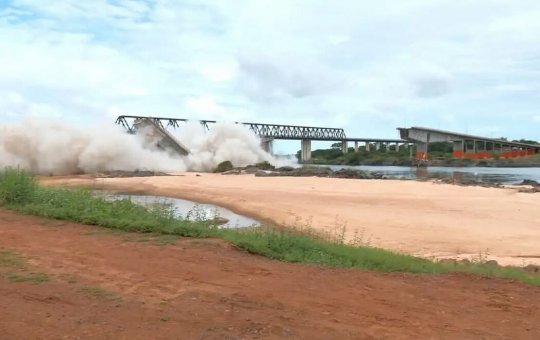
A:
(420, 218)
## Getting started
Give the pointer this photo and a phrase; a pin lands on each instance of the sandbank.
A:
(421, 218)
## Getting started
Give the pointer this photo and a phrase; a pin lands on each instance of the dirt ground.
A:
(109, 285)
(421, 218)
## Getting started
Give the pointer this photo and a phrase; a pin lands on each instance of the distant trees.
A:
(442, 147)
(526, 141)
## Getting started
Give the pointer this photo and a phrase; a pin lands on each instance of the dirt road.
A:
(126, 286)
(420, 218)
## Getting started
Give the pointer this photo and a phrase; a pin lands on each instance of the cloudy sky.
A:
(367, 66)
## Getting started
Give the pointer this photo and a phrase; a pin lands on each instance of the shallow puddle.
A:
(190, 210)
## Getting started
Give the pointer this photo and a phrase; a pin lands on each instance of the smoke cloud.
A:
(48, 147)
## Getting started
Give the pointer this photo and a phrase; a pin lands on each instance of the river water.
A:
(480, 174)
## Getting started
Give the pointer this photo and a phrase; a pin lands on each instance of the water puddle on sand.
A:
(189, 209)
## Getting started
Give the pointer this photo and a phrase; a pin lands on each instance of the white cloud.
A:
(364, 65)
(204, 105)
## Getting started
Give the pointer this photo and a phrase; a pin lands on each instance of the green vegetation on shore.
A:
(440, 154)
(20, 192)
(363, 157)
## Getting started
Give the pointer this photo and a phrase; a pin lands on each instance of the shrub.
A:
(16, 186)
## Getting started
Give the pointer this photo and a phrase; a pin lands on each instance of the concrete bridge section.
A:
(466, 146)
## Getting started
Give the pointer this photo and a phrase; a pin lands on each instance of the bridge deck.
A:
(456, 136)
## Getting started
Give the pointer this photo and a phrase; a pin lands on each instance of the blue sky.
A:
(367, 66)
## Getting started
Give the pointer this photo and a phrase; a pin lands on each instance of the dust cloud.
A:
(48, 147)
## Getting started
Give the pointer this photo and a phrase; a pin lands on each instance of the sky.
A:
(366, 66)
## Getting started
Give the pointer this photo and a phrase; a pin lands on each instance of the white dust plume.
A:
(48, 147)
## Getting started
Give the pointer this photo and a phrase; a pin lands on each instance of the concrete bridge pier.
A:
(421, 150)
(459, 149)
(356, 146)
(367, 146)
(344, 147)
(267, 144)
(305, 153)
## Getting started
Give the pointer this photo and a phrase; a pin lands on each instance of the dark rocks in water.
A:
(315, 171)
(233, 172)
(356, 174)
(250, 169)
(306, 171)
(285, 169)
(136, 173)
(224, 166)
(312, 171)
(530, 182)
(265, 166)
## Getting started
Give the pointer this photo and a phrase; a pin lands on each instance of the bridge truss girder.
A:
(273, 131)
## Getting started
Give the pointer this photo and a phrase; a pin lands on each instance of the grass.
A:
(10, 259)
(291, 245)
(27, 277)
(101, 293)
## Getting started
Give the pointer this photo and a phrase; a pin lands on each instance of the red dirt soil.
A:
(207, 289)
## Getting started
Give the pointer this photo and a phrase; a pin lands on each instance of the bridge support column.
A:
(306, 151)
(268, 145)
(344, 147)
(377, 146)
(356, 146)
(459, 149)
(367, 146)
(421, 150)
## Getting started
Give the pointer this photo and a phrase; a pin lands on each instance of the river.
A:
(480, 174)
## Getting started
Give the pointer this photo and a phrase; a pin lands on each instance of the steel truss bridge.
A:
(270, 131)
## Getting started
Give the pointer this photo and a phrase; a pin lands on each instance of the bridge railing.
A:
(275, 131)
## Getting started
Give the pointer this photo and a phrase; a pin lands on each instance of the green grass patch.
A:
(101, 293)
(27, 277)
(11, 259)
(19, 192)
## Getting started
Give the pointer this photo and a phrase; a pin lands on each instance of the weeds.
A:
(27, 277)
(17, 186)
(301, 243)
(10, 259)
(101, 293)
(481, 257)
